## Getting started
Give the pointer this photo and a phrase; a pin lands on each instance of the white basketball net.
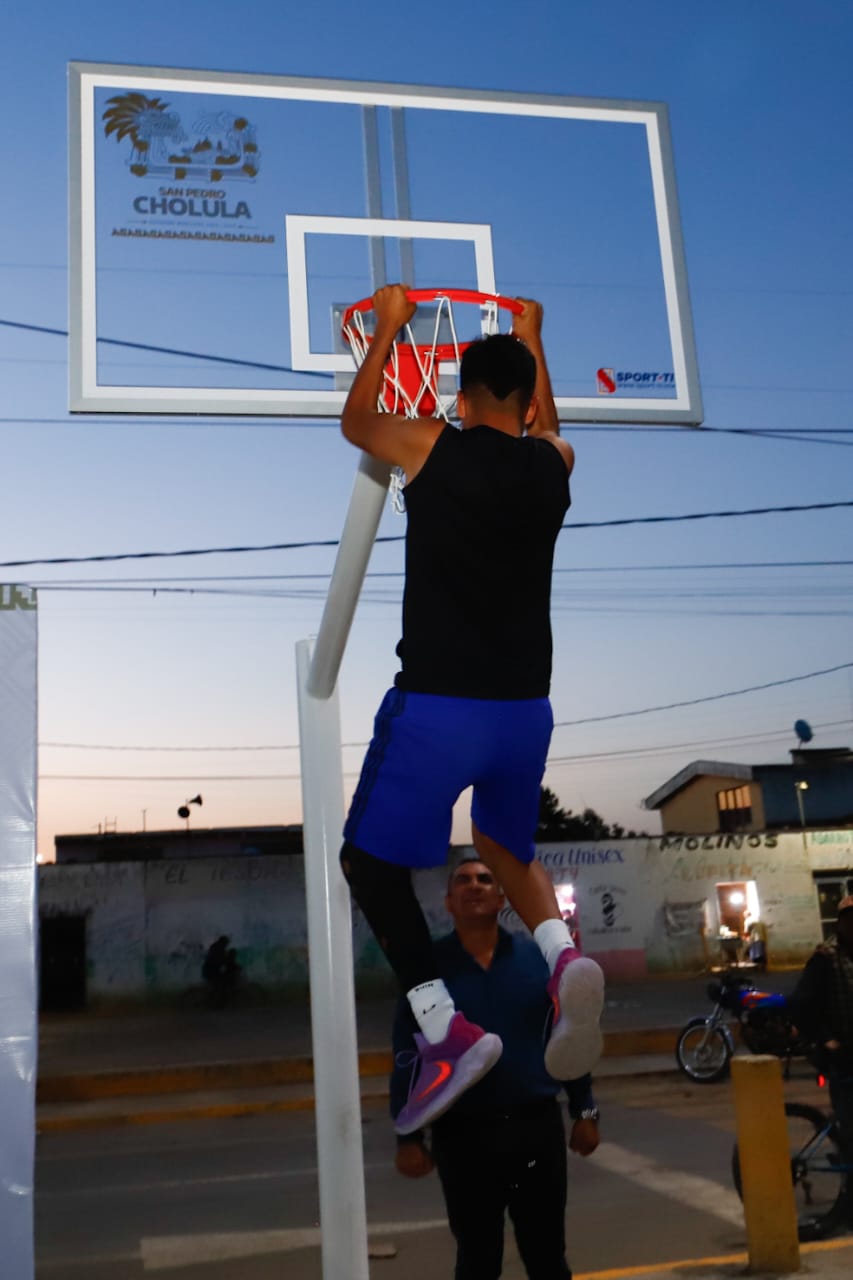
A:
(416, 399)
(410, 385)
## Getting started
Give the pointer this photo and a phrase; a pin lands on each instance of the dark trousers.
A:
(503, 1162)
(384, 893)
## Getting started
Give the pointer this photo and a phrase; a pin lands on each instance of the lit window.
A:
(734, 809)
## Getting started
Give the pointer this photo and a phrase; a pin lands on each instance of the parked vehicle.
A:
(705, 1046)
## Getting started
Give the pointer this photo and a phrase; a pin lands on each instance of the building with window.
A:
(814, 791)
(140, 928)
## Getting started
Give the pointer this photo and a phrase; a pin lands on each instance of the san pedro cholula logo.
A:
(220, 146)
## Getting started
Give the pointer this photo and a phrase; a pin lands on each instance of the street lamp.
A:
(800, 787)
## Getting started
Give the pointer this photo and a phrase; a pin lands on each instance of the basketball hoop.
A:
(411, 374)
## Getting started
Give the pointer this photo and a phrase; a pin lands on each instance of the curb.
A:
(141, 1082)
(167, 1109)
(140, 1096)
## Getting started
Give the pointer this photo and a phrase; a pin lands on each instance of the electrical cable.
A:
(334, 542)
(714, 697)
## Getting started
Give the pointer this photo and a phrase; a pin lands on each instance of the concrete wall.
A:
(258, 902)
(112, 898)
(644, 907)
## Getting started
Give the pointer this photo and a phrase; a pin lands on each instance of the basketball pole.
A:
(367, 502)
(340, 1157)
(337, 1102)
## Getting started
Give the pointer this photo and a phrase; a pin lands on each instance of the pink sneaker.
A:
(576, 988)
(446, 1070)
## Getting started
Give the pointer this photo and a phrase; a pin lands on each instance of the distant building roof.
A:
(120, 846)
(822, 755)
(697, 769)
(817, 758)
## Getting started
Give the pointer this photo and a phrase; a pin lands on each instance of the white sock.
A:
(433, 1008)
(552, 937)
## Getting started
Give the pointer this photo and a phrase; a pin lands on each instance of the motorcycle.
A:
(705, 1046)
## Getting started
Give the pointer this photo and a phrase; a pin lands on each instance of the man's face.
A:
(473, 894)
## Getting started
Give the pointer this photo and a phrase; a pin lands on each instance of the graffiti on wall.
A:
(639, 904)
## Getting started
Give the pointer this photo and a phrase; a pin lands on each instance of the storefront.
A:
(677, 904)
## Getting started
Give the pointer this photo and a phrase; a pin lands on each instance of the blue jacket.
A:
(510, 999)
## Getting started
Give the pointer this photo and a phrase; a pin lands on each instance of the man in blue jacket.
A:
(502, 1146)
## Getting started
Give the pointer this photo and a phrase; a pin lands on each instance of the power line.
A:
(399, 573)
(558, 724)
(108, 746)
(706, 515)
(775, 735)
(804, 435)
(661, 749)
(178, 777)
(714, 697)
(560, 604)
(295, 777)
(334, 542)
(167, 420)
(169, 351)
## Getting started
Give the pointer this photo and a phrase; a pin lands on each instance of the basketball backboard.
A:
(220, 223)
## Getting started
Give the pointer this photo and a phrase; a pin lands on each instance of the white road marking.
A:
(161, 1252)
(181, 1184)
(687, 1188)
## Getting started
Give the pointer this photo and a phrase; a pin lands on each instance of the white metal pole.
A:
(371, 480)
(365, 511)
(340, 1157)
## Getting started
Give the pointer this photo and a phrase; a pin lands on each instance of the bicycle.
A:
(823, 1182)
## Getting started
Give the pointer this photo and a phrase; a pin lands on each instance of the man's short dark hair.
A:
(501, 364)
(459, 860)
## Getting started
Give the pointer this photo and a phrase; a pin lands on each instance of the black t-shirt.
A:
(484, 512)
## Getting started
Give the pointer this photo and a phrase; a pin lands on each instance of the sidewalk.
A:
(98, 1069)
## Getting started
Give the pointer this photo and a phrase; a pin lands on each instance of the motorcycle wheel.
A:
(703, 1053)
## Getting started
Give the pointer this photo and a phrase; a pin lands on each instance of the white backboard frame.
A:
(88, 395)
(298, 226)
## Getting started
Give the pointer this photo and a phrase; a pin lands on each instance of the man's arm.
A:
(546, 424)
(584, 1137)
(404, 442)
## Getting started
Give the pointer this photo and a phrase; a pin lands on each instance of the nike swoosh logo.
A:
(444, 1070)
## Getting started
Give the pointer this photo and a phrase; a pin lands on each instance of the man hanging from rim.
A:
(470, 705)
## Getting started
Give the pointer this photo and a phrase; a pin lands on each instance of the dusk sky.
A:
(149, 695)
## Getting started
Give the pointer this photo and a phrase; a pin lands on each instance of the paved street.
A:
(96, 1041)
(236, 1199)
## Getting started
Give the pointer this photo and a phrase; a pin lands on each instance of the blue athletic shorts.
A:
(426, 750)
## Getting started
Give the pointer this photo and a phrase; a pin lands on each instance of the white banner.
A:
(18, 1015)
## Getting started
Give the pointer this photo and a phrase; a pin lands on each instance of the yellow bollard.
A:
(765, 1164)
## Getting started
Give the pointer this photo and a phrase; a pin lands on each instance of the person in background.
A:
(821, 1005)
